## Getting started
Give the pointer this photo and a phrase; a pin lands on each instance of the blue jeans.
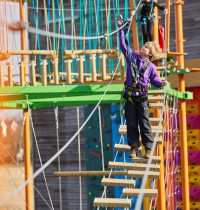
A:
(137, 116)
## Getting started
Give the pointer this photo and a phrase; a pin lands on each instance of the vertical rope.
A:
(79, 158)
(58, 148)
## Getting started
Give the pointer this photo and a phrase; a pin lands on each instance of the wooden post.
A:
(103, 73)
(1, 76)
(81, 69)
(10, 79)
(55, 67)
(44, 72)
(94, 68)
(182, 107)
(22, 71)
(33, 77)
(27, 159)
(69, 73)
(122, 63)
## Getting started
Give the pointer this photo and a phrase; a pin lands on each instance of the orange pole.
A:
(167, 33)
(161, 181)
(155, 25)
(27, 159)
(27, 146)
(134, 28)
(182, 107)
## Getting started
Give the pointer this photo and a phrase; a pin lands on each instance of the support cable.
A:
(79, 158)
(58, 147)
(62, 36)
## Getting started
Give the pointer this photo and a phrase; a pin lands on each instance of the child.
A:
(140, 73)
(146, 18)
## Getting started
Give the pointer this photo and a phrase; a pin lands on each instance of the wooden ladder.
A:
(136, 169)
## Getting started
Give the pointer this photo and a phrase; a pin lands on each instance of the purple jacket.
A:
(150, 75)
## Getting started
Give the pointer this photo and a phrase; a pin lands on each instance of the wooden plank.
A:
(118, 182)
(156, 91)
(133, 166)
(135, 192)
(33, 76)
(125, 147)
(155, 159)
(140, 174)
(156, 105)
(155, 129)
(155, 98)
(112, 202)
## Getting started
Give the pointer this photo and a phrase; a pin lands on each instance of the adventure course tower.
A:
(62, 123)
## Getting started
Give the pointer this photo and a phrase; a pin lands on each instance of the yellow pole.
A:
(27, 159)
(161, 181)
(134, 28)
(27, 147)
(182, 107)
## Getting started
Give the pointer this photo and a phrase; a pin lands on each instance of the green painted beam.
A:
(69, 95)
(179, 71)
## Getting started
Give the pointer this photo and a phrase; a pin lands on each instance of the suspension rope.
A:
(79, 158)
(40, 159)
(62, 36)
(58, 147)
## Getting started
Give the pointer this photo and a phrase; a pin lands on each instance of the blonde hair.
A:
(155, 52)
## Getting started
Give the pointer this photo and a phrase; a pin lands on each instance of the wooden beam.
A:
(27, 52)
(90, 173)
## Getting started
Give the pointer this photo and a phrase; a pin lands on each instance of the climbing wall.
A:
(93, 151)
(193, 134)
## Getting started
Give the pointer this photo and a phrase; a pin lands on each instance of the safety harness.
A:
(136, 75)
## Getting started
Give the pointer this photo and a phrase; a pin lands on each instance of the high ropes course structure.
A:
(75, 61)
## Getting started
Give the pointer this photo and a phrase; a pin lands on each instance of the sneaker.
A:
(133, 153)
(148, 152)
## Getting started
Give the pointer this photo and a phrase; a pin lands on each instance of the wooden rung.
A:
(135, 192)
(133, 166)
(118, 182)
(160, 68)
(125, 147)
(156, 105)
(155, 120)
(155, 159)
(155, 129)
(155, 98)
(156, 91)
(112, 202)
(175, 54)
(140, 174)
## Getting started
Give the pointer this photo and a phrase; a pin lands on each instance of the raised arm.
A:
(126, 50)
